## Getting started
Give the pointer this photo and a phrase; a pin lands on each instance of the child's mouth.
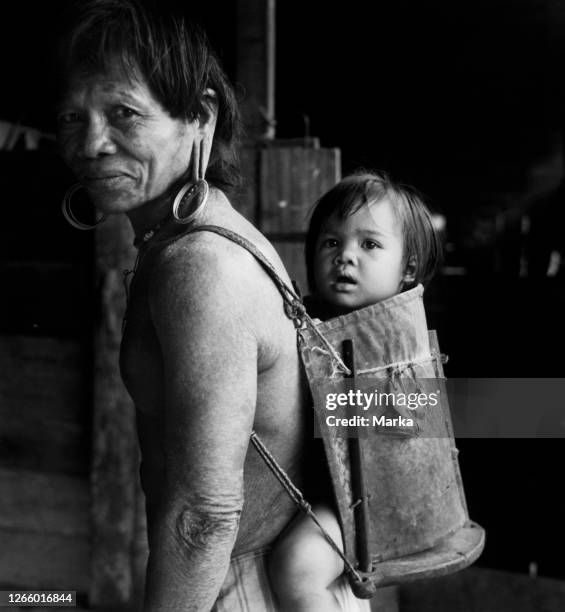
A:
(344, 282)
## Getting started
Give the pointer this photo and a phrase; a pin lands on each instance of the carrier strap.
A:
(294, 309)
(293, 306)
(297, 497)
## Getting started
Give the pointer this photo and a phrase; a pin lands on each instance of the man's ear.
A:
(409, 275)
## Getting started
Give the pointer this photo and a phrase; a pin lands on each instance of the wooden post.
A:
(114, 452)
(256, 66)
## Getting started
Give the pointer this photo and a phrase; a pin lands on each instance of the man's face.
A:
(122, 145)
(359, 260)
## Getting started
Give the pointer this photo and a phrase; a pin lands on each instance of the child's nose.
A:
(346, 255)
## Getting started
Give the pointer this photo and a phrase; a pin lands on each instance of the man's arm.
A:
(210, 374)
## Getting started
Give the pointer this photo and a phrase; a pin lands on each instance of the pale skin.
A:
(208, 353)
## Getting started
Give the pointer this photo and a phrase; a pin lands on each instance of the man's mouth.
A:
(98, 176)
(102, 179)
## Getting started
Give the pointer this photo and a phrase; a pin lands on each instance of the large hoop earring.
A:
(70, 216)
(193, 195)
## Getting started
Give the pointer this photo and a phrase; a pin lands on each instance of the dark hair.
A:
(172, 55)
(421, 240)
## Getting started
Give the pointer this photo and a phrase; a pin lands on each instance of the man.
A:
(209, 353)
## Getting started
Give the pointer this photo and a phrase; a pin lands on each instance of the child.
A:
(368, 240)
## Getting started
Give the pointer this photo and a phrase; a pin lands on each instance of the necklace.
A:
(128, 275)
(191, 193)
(141, 243)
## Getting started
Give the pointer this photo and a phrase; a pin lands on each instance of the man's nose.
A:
(96, 139)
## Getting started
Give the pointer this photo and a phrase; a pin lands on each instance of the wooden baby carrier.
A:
(395, 477)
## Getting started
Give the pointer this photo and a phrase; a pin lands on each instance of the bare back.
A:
(209, 354)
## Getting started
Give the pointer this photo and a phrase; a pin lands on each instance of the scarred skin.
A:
(208, 355)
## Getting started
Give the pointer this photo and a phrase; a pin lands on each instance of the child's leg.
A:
(303, 565)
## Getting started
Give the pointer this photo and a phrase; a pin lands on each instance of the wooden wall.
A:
(45, 387)
(282, 181)
(44, 447)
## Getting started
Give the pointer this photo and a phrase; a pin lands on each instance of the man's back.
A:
(208, 355)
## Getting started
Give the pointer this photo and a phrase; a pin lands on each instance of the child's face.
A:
(360, 260)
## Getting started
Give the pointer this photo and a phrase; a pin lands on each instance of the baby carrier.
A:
(395, 475)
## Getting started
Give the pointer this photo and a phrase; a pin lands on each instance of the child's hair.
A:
(422, 243)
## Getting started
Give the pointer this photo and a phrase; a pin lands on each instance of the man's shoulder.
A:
(205, 271)
(201, 258)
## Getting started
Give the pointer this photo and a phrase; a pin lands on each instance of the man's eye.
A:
(69, 118)
(124, 112)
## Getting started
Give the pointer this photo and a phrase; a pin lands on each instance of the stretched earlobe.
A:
(191, 199)
(201, 151)
(206, 128)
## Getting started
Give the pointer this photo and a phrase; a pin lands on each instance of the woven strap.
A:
(295, 310)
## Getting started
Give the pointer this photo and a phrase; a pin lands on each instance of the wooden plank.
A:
(114, 455)
(44, 503)
(291, 180)
(44, 374)
(35, 560)
(292, 255)
(245, 200)
(37, 442)
(44, 530)
(255, 49)
(44, 405)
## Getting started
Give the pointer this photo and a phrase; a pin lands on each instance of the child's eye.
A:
(371, 244)
(329, 243)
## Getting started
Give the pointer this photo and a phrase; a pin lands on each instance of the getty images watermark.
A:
(377, 402)
(464, 407)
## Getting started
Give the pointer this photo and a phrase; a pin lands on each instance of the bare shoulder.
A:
(196, 266)
(205, 279)
(203, 267)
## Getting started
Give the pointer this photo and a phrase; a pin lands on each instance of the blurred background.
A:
(463, 99)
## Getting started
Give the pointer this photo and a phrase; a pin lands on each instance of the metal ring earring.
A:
(70, 216)
(193, 195)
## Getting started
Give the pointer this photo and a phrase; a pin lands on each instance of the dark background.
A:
(464, 100)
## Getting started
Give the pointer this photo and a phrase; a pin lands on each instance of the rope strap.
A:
(298, 498)
(294, 310)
